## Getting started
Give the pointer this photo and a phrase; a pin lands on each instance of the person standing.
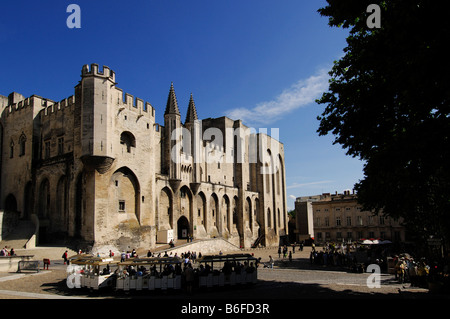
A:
(64, 256)
(189, 277)
(284, 251)
(271, 262)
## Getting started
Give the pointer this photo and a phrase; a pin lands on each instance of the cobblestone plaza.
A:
(288, 280)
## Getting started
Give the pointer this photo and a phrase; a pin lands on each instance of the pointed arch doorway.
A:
(182, 228)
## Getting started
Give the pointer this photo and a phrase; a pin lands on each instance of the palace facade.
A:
(96, 166)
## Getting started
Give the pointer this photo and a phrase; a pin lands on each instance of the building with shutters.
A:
(339, 217)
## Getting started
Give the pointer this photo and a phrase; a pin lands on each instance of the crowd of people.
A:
(330, 258)
(189, 270)
(187, 259)
(168, 270)
(186, 256)
(349, 255)
(421, 272)
(415, 272)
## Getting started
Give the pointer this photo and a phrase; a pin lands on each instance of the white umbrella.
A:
(367, 242)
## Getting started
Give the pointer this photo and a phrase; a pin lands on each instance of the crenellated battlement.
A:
(95, 71)
(36, 104)
(118, 98)
(59, 106)
(26, 105)
(137, 105)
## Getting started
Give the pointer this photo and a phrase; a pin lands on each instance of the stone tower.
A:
(193, 125)
(172, 140)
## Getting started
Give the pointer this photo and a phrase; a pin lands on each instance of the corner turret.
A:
(91, 95)
(94, 71)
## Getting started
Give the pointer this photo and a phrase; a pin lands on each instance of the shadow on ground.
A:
(263, 290)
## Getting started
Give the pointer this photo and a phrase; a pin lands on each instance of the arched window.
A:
(44, 199)
(201, 206)
(128, 139)
(248, 212)
(125, 193)
(10, 203)
(22, 140)
(11, 149)
(235, 208)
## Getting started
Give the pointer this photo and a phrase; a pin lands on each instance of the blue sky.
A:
(259, 60)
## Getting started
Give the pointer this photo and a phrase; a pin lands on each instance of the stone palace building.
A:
(97, 167)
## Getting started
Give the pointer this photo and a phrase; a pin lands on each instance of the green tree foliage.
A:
(388, 103)
(291, 213)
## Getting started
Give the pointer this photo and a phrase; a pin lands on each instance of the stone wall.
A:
(8, 221)
(11, 263)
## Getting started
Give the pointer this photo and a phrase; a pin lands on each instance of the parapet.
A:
(124, 100)
(3, 102)
(94, 70)
(23, 107)
(134, 104)
(58, 106)
(36, 104)
(14, 98)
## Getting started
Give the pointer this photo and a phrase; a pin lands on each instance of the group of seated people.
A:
(169, 270)
(238, 267)
(228, 268)
(172, 270)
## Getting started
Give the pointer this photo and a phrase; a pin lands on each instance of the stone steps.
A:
(205, 246)
(20, 236)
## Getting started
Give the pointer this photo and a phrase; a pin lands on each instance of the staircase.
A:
(19, 236)
(205, 246)
(258, 241)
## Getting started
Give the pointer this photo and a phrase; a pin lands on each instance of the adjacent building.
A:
(339, 217)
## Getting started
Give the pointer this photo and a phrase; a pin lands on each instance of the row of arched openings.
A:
(222, 214)
(274, 187)
(43, 198)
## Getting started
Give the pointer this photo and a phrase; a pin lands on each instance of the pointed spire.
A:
(172, 104)
(191, 115)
